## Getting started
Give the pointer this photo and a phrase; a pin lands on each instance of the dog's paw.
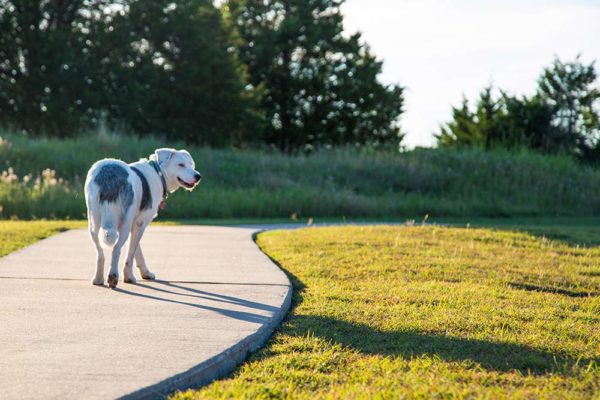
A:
(129, 279)
(149, 276)
(98, 282)
(113, 279)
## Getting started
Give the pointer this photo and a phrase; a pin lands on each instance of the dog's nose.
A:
(198, 177)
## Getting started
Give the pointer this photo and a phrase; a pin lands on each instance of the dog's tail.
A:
(109, 236)
(108, 222)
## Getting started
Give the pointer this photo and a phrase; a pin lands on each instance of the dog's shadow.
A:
(201, 299)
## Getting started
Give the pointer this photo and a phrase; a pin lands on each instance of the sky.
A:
(441, 50)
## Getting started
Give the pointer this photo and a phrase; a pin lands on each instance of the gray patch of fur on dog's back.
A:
(112, 180)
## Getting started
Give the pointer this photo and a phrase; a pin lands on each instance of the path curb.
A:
(222, 364)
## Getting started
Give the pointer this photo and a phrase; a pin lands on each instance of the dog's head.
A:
(178, 168)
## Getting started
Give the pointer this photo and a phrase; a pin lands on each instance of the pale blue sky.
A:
(440, 49)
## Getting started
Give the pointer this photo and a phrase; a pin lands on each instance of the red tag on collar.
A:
(162, 205)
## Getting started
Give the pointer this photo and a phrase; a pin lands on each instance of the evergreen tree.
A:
(563, 116)
(319, 86)
(462, 130)
(480, 128)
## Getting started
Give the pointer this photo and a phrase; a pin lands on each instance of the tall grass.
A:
(339, 182)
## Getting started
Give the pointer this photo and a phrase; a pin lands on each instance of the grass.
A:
(44, 177)
(429, 312)
(18, 234)
(568, 230)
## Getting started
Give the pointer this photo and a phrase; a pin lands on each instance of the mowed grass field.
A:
(17, 234)
(429, 312)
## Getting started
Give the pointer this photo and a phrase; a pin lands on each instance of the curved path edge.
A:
(218, 366)
(227, 361)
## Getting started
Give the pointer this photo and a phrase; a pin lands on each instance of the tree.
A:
(161, 66)
(175, 63)
(503, 121)
(462, 130)
(45, 63)
(527, 122)
(572, 92)
(479, 128)
(562, 116)
(319, 86)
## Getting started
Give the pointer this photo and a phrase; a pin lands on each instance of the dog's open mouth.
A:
(185, 184)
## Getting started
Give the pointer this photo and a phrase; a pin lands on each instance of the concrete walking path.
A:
(217, 297)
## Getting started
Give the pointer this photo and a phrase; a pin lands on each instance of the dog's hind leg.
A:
(141, 264)
(99, 275)
(136, 235)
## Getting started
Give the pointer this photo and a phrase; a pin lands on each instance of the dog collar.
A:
(158, 170)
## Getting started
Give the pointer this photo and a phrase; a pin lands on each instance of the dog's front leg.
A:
(141, 264)
(134, 243)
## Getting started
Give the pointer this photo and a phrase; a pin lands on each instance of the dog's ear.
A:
(163, 155)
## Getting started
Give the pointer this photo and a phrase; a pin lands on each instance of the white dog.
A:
(123, 199)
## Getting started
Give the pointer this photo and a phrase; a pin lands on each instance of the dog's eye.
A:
(182, 165)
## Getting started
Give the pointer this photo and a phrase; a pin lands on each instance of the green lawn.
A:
(430, 311)
(17, 234)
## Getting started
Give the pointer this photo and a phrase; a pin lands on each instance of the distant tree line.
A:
(274, 72)
(563, 116)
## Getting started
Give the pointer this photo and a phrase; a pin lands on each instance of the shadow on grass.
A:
(573, 232)
(570, 236)
(547, 289)
(487, 354)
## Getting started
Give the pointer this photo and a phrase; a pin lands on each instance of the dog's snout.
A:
(197, 176)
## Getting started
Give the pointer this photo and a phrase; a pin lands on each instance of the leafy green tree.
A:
(177, 73)
(45, 63)
(319, 86)
(572, 91)
(527, 122)
(161, 66)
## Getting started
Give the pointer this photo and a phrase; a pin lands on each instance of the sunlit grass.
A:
(17, 234)
(428, 312)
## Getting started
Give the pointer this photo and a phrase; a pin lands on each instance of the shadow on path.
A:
(206, 296)
(202, 294)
